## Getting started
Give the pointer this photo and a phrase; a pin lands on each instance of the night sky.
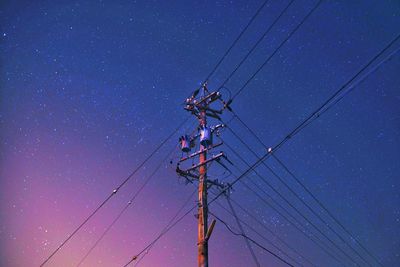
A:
(90, 88)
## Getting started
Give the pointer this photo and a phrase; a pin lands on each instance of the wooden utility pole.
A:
(199, 105)
(202, 244)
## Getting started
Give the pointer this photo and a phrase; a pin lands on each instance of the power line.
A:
(165, 230)
(251, 240)
(290, 204)
(104, 233)
(249, 169)
(269, 230)
(325, 107)
(238, 178)
(258, 161)
(114, 192)
(252, 168)
(252, 229)
(258, 233)
(313, 238)
(238, 222)
(298, 197)
(326, 209)
(243, 174)
(126, 206)
(217, 196)
(306, 189)
(350, 88)
(257, 43)
(236, 40)
(277, 49)
(316, 113)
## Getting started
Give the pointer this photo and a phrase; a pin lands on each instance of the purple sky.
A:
(90, 88)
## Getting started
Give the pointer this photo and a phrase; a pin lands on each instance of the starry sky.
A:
(90, 88)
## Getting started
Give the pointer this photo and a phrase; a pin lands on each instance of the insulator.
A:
(205, 136)
(185, 143)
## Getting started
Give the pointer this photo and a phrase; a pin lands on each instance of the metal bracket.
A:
(199, 152)
(205, 162)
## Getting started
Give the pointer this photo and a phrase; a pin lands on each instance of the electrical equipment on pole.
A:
(199, 105)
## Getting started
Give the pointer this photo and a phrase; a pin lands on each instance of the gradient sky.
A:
(90, 88)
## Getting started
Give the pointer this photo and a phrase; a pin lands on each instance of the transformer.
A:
(205, 136)
(184, 141)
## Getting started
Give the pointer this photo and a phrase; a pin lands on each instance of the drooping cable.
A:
(251, 240)
(295, 251)
(238, 222)
(260, 235)
(255, 231)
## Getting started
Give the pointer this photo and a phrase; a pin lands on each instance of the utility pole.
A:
(202, 243)
(200, 107)
(203, 205)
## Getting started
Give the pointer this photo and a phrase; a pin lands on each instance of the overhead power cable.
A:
(326, 209)
(258, 233)
(238, 178)
(325, 106)
(350, 88)
(294, 222)
(238, 222)
(276, 50)
(234, 42)
(316, 113)
(265, 181)
(128, 204)
(172, 222)
(270, 231)
(315, 239)
(309, 192)
(281, 180)
(252, 229)
(114, 192)
(256, 44)
(251, 240)
(255, 164)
